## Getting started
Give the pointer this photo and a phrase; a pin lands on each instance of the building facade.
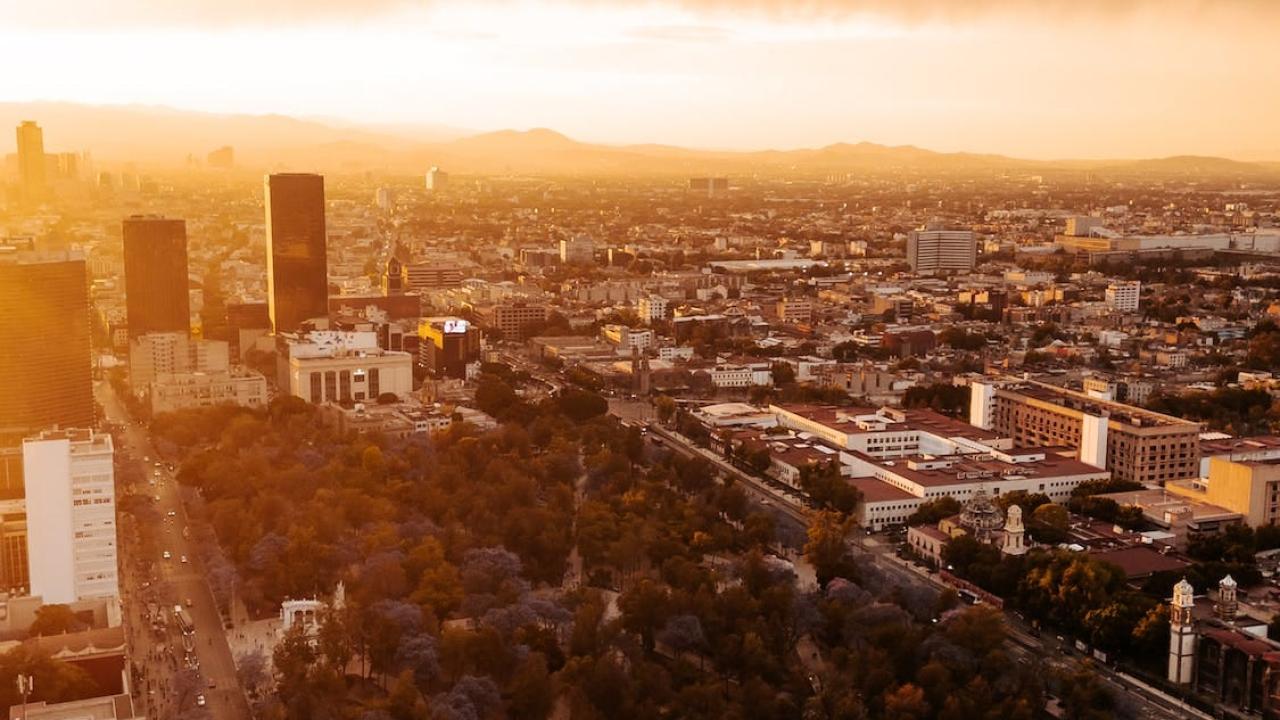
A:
(931, 250)
(1134, 444)
(46, 365)
(31, 162)
(70, 497)
(155, 275)
(180, 391)
(297, 265)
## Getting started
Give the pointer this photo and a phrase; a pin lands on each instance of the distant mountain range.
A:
(158, 136)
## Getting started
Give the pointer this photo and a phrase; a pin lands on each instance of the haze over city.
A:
(664, 360)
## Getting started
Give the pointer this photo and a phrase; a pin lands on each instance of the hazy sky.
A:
(1042, 78)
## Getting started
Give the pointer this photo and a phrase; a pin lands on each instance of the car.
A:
(173, 513)
(168, 555)
(213, 684)
(200, 701)
(184, 559)
(189, 602)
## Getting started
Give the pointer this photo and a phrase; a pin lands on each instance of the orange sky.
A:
(1045, 78)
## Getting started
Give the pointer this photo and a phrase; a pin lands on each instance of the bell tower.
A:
(1182, 634)
(1227, 604)
(1014, 533)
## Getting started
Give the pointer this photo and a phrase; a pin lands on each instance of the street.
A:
(147, 577)
(1146, 702)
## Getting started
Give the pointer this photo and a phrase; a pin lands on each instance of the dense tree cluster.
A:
(1229, 409)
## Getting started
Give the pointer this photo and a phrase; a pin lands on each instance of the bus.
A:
(184, 620)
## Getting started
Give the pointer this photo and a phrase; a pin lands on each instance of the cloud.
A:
(222, 13)
(680, 33)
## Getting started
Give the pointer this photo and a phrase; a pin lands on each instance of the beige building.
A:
(155, 354)
(1248, 487)
(178, 391)
(1134, 444)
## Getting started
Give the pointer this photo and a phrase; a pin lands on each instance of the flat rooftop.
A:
(969, 469)
(1081, 402)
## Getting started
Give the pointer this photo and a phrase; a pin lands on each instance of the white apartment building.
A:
(337, 366)
(933, 250)
(671, 354)
(71, 515)
(178, 391)
(627, 338)
(739, 376)
(1123, 296)
(652, 307)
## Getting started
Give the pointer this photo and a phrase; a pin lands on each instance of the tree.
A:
(932, 512)
(666, 408)
(826, 548)
(531, 692)
(55, 620)
(644, 609)
(1049, 523)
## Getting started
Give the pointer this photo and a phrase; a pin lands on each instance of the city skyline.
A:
(1041, 81)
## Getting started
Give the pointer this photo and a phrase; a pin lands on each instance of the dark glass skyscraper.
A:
(297, 269)
(46, 366)
(155, 275)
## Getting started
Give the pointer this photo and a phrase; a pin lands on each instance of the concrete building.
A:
(167, 353)
(794, 310)
(1134, 444)
(627, 338)
(514, 320)
(651, 308)
(236, 386)
(46, 365)
(741, 376)
(437, 179)
(1123, 296)
(70, 499)
(1248, 487)
(932, 250)
(432, 275)
(578, 250)
(155, 275)
(297, 261)
(344, 367)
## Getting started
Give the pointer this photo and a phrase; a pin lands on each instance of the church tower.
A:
(1227, 605)
(1182, 634)
(1014, 533)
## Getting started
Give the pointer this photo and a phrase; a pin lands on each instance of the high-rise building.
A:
(448, 345)
(297, 267)
(437, 179)
(31, 161)
(71, 526)
(155, 275)
(578, 250)
(1124, 296)
(46, 366)
(933, 250)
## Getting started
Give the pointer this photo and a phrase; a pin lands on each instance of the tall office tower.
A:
(31, 162)
(71, 515)
(46, 366)
(297, 269)
(155, 275)
(437, 179)
(932, 249)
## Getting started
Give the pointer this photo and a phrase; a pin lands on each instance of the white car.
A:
(168, 555)
(184, 559)
(200, 700)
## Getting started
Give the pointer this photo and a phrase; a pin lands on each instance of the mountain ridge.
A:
(162, 136)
